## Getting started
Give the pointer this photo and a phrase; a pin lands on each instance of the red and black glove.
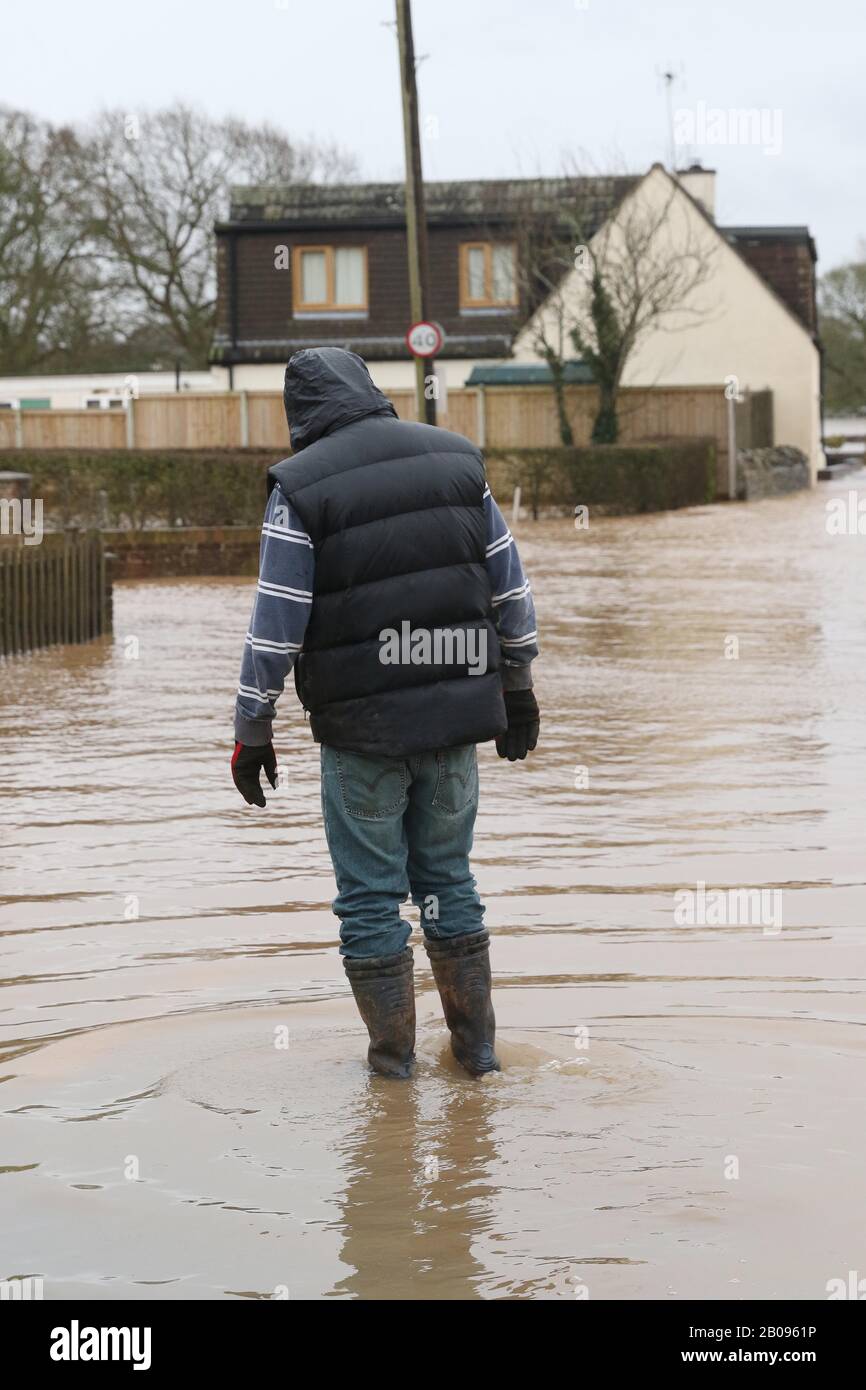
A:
(524, 722)
(247, 764)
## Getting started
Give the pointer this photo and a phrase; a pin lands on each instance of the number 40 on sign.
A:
(424, 339)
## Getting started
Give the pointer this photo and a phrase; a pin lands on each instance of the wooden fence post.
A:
(16, 598)
(732, 448)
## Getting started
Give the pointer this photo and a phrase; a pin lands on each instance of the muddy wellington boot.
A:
(384, 991)
(461, 969)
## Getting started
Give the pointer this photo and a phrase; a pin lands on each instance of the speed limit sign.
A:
(425, 339)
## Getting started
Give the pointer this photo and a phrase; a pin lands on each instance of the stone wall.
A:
(771, 472)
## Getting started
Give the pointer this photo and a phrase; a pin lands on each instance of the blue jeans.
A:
(398, 827)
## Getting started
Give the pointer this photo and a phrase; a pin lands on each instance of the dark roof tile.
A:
(785, 258)
(462, 199)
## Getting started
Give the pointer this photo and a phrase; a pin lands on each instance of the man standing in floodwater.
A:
(390, 581)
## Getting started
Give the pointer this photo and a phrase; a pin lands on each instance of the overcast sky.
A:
(507, 87)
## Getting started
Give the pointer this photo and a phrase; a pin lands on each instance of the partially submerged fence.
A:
(491, 416)
(58, 591)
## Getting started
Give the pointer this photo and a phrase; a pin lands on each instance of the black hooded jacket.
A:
(395, 512)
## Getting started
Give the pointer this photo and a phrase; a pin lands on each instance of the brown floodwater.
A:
(186, 1112)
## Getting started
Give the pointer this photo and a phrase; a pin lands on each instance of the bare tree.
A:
(160, 181)
(49, 281)
(608, 280)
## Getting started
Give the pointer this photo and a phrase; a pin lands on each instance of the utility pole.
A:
(416, 219)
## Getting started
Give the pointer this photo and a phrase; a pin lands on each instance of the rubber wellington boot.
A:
(461, 969)
(384, 991)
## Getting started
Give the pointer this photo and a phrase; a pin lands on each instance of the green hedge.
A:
(611, 478)
(226, 487)
(147, 487)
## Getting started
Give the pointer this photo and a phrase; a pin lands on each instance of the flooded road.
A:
(186, 1112)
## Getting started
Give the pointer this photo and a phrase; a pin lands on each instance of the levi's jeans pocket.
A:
(372, 788)
(457, 781)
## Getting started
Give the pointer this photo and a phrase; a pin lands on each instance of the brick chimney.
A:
(701, 184)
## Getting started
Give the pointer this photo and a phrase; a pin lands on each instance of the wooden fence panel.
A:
(515, 416)
(461, 414)
(267, 421)
(656, 413)
(526, 417)
(56, 592)
(404, 404)
(188, 421)
(73, 429)
(754, 412)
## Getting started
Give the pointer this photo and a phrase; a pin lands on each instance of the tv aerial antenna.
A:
(670, 76)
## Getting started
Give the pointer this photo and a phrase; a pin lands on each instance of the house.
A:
(751, 325)
(301, 266)
(307, 265)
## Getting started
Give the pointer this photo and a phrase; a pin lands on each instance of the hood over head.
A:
(326, 388)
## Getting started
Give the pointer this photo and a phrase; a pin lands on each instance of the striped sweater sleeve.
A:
(513, 608)
(281, 611)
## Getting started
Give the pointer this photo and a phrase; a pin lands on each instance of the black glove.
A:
(524, 722)
(247, 763)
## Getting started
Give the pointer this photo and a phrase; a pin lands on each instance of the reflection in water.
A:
(703, 689)
(418, 1191)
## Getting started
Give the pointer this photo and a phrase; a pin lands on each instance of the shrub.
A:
(146, 488)
(613, 478)
(139, 489)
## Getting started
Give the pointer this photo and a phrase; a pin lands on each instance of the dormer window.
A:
(488, 275)
(329, 280)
